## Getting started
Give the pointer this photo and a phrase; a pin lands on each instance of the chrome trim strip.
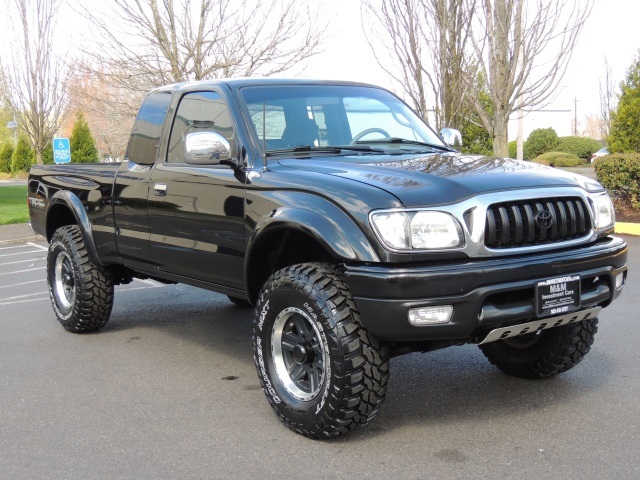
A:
(539, 325)
(473, 224)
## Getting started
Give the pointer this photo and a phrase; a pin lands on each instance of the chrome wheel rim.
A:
(298, 353)
(64, 282)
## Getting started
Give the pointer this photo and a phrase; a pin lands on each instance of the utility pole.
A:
(575, 116)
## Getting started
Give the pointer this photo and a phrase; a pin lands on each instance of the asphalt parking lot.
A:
(168, 389)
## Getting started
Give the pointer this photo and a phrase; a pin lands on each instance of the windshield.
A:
(307, 118)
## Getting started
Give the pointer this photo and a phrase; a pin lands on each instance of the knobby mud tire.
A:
(347, 369)
(81, 293)
(545, 354)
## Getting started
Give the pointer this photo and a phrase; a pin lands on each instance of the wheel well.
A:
(279, 249)
(59, 216)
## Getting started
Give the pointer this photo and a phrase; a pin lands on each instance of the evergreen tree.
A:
(83, 146)
(6, 151)
(23, 156)
(625, 121)
(47, 154)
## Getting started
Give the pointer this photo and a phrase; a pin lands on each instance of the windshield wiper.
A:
(327, 149)
(406, 141)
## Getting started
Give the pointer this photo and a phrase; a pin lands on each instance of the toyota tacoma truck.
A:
(356, 232)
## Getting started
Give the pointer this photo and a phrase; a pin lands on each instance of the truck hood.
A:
(441, 178)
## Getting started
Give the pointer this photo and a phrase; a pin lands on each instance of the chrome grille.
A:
(536, 222)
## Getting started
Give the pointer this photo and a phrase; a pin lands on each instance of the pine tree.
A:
(6, 151)
(23, 156)
(83, 146)
(625, 121)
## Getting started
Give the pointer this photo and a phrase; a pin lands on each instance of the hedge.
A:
(619, 173)
(559, 159)
(579, 146)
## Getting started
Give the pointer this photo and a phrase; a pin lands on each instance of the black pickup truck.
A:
(352, 227)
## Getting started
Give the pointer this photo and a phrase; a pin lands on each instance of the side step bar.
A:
(538, 325)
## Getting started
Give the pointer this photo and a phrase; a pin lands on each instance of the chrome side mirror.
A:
(206, 148)
(452, 137)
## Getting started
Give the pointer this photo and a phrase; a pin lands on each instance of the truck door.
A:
(131, 187)
(196, 213)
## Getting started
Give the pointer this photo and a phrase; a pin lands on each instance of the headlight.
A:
(420, 230)
(605, 214)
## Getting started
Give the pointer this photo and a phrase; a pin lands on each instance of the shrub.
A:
(559, 159)
(579, 146)
(6, 151)
(23, 156)
(540, 141)
(513, 149)
(620, 174)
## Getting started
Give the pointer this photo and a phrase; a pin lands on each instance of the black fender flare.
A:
(75, 205)
(343, 239)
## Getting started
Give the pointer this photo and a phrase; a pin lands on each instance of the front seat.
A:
(302, 133)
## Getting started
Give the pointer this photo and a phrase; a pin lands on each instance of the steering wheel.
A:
(366, 132)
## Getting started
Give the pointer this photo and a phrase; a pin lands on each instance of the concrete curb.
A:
(627, 228)
(18, 233)
(36, 238)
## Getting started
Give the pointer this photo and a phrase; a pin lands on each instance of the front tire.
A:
(543, 354)
(81, 293)
(321, 371)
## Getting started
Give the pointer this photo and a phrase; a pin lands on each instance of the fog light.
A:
(619, 280)
(430, 315)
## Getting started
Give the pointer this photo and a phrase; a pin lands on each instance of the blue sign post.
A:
(61, 150)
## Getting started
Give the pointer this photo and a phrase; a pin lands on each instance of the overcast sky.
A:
(612, 30)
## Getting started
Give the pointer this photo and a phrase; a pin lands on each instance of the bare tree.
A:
(144, 43)
(425, 52)
(523, 49)
(607, 100)
(108, 109)
(36, 78)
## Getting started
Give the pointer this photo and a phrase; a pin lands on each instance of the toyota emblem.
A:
(544, 219)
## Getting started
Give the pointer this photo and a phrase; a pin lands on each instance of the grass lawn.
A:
(13, 205)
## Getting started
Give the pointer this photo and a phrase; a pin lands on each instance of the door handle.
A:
(160, 189)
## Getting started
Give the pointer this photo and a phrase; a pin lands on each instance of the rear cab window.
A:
(147, 129)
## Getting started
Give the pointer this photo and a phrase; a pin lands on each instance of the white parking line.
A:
(23, 271)
(24, 261)
(13, 247)
(19, 253)
(40, 247)
(18, 297)
(24, 301)
(23, 283)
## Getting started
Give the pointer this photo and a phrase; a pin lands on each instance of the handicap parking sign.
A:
(61, 150)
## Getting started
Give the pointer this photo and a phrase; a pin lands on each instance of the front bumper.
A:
(485, 294)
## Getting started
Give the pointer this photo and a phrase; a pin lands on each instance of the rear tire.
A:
(321, 371)
(81, 293)
(543, 354)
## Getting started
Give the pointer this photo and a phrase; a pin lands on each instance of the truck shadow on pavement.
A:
(442, 388)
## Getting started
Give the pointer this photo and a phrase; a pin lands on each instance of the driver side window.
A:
(198, 112)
